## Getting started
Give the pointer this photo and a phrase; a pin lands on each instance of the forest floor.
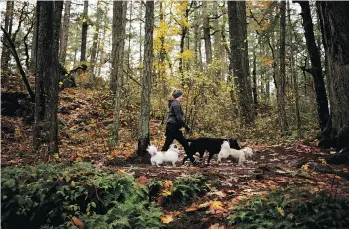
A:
(86, 120)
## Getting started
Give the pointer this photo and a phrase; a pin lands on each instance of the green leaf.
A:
(10, 183)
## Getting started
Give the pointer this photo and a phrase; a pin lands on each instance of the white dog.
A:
(171, 155)
(158, 157)
(226, 151)
(248, 152)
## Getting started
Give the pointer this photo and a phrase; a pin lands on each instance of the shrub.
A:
(292, 209)
(50, 195)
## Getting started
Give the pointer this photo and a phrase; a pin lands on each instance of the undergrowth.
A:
(50, 195)
(53, 194)
(291, 208)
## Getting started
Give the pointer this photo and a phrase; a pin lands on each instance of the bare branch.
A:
(18, 62)
(26, 45)
(21, 19)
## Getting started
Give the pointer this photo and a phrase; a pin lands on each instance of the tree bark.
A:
(316, 70)
(183, 36)
(102, 43)
(119, 30)
(47, 75)
(64, 33)
(207, 35)
(140, 36)
(280, 78)
(254, 85)
(334, 18)
(96, 39)
(197, 39)
(33, 54)
(218, 50)
(239, 56)
(294, 75)
(84, 32)
(5, 54)
(143, 134)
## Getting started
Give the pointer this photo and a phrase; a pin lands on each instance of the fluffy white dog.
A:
(158, 157)
(171, 155)
(226, 151)
(248, 152)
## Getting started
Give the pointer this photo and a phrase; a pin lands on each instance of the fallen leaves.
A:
(168, 217)
(143, 180)
(281, 211)
(305, 166)
(216, 226)
(220, 194)
(77, 222)
(214, 207)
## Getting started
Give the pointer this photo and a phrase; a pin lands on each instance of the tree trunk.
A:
(119, 30)
(254, 87)
(334, 19)
(5, 54)
(218, 50)
(294, 75)
(140, 36)
(239, 56)
(33, 54)
(143, 134)
(102, 44)
(64, 33)
(207, 35)
(316, 70)
(197, 39)
(280, 78)
(52, 101)
(84, 32)
(47, 75)
(96, 39)
(183, 36)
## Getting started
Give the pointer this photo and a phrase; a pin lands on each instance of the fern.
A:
(303, 210)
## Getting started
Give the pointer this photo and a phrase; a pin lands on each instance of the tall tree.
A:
(84, 32)
(63, 40)
(103, 42)
(239, 56)
(33, 46)
(96, 38)
(254, 81)
(47, 75)
(207, 35)
(140, 34)
(218, 50)
(316, 69)
(334, 18)
(183, 23)
(293, 72)
(197, 38)
(280, 82)
(119, 30)
(5, 54)
(143, 134)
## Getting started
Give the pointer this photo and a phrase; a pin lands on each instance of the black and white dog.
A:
(211, 145)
